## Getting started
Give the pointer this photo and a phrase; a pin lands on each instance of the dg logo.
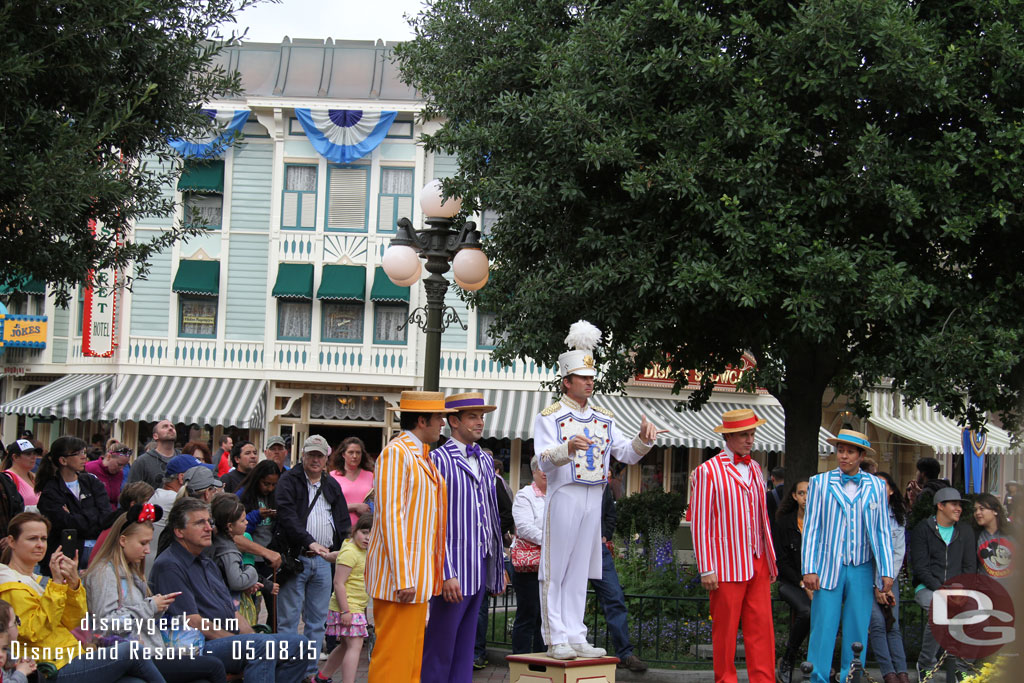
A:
(972, 616)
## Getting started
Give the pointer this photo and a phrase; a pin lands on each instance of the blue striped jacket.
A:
(839, 531)
(473, 531)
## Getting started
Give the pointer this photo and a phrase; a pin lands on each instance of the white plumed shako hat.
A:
(579, 360)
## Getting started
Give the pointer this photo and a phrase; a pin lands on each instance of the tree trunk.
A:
(808, 373)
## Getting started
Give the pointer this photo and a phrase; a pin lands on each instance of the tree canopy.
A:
(90, 91)
(834, 186)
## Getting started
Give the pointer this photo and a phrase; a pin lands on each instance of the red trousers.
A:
(747, 604)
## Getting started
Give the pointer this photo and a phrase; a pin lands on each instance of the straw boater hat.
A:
(739, 421)
(582, 339)
(472, 400)
(848, 436)
(423, 402)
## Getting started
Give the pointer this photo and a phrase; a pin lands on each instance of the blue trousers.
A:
(264, 657)
(613, 603)
(850, 601)
(123, 668)
(887, 646)
(449, 639)
(307, 595)
(480, 647)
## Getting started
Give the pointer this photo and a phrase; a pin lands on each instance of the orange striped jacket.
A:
(407, 542)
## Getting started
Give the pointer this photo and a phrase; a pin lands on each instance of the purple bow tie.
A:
(473, 450)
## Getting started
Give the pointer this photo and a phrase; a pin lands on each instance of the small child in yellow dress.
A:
(347, 616)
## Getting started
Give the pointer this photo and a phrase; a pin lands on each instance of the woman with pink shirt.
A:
(352, 467)
(110, 470)
(18, 462)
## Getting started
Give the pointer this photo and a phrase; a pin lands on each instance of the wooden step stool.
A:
(539, 668)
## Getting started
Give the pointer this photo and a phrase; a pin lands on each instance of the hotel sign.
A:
(23, 331)
(99, 324)
(657, 375)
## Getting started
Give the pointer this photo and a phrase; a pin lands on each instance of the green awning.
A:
(386, 290)
(202, 176)
(342, 283)
(294, 281)
(197, 277)
(31, 286)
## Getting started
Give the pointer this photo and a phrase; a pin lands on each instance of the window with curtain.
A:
(294, 319)
(484, 339)
(298, 202)
(197, 316)
(204, 209)
(395, 200)
(488, 218)
(342, 321)
(387, 318)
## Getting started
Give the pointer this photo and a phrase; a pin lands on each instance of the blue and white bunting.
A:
(227, 121)
(344, 135)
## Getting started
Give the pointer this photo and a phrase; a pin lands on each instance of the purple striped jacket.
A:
(473, 531)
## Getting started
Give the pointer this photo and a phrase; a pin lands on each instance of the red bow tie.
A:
(738, 459)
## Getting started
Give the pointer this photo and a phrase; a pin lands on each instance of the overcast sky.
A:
(338, 19)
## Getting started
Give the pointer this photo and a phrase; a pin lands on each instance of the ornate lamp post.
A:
(442, 246)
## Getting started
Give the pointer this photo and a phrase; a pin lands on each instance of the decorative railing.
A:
(381, 359)
(194, 353)
(674, 631)
(344, 358)
(480, 365)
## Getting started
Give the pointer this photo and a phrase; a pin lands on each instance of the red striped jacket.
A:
(727, 513)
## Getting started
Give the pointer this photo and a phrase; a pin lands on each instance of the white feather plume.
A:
(583, 336)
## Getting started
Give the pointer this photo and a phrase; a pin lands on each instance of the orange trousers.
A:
(398, 652)
(747, 604)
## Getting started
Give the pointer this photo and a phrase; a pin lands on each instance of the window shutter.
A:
(309, 210)
(289, 213)
(347, 203)
(386, 214)
(404, 209)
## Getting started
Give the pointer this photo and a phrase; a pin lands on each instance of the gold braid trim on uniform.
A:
(603, 411)
(551, 408)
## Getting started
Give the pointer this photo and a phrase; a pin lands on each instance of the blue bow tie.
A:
(847, 478)
(473, 450)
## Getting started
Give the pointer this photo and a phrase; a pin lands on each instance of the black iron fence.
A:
(675, 632)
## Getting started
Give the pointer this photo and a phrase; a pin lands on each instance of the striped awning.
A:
(517, 409)
(75, 397)
(923, 424)
(199, 400)
(771, 436)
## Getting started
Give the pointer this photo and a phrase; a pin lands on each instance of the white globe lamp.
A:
(470, 269)
(433, 207)
(401, 265)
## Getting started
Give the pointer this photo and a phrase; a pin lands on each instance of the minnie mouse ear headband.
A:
(139, 513)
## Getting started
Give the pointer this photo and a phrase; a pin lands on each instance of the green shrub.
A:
(649, 514)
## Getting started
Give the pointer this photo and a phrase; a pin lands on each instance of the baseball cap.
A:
(181, 463)
(21, 446)
(199, 478)
(316, 444)
(948, 495)
(276, 441)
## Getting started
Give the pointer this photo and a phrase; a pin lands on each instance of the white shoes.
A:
(561, 651)
(587, 650)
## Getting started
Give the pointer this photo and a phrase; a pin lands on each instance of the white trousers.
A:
(569, 555)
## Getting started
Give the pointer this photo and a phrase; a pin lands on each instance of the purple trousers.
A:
(449, 639)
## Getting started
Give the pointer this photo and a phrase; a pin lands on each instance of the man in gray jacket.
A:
(941, 548)
(151, 466)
